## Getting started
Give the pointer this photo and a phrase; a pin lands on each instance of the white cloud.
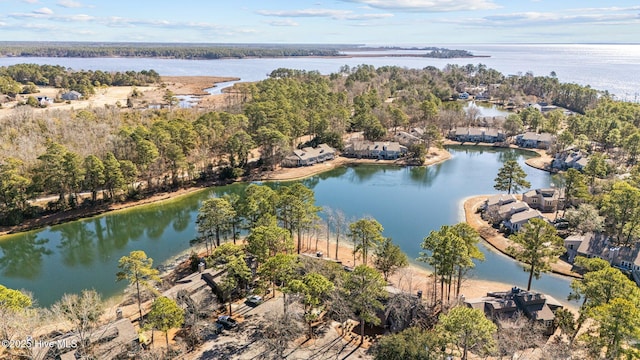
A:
(69, 4)
(328, 13)
(75, 18)
(285, 22)
(539, 18)
(305, 13)
(429, 6)
(43, 11)
(584, 17)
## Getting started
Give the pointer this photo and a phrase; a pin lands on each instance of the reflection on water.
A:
(408, 201)
(23, 258)
(484, 109)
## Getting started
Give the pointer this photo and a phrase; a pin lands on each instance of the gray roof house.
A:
(508, 210)
(517, 220)
(572, 159)
(500, 200)
(407, 139)
(416, 131)
(71, 95)
(477, 134)
(384, 150)
(598, 245)
(309, 156)
(545, 200)
(534, 140)
(507, 304)
(493, 204)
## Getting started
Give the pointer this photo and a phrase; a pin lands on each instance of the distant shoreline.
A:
(345, 56)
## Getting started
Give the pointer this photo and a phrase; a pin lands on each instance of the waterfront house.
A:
(383, 150)
(508, 210)
(492, 207)
(309, 156)
(502, 305)
(494, 122)
(543, 107)
(499, 200)
(477, 134)
(463, 96)
(570, 159)
(599, 245)
(407, 139)
(517, 220)
(71, 95)
(545, 200)
(534, 140)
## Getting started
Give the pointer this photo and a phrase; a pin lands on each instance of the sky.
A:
(370, 22)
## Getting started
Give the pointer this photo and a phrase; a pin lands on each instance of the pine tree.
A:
(511, 178)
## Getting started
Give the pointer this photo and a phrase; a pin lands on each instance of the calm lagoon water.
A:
(408, 201)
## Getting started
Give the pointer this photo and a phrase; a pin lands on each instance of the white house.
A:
(44, 100)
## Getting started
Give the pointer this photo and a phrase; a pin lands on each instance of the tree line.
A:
(173, 51)
(21, 78)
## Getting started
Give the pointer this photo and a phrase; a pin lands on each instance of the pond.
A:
(485, 109)
(408, 201)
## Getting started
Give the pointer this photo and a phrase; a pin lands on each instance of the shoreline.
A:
(281, 174)
(497, 241)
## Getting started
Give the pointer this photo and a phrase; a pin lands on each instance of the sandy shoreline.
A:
(496, 239)
(410, 279)
(281, 174)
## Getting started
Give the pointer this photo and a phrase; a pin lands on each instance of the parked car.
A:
(227, 321)
(254, 300)
(218, 328)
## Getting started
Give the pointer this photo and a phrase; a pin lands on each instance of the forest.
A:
(194, 51)
(159, 50)
(116, 154)
(25, 78)
(67, 152)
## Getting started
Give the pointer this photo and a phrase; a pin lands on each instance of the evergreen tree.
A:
(511, 178)
(138, 269)
(468, 329)
(94, 175)
(365, 288)
(165, 315)
(389, 258)
(113, 178)
(539, 246)
(365, 234)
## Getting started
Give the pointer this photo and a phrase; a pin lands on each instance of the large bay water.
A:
(408, 201)
(612, 67)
